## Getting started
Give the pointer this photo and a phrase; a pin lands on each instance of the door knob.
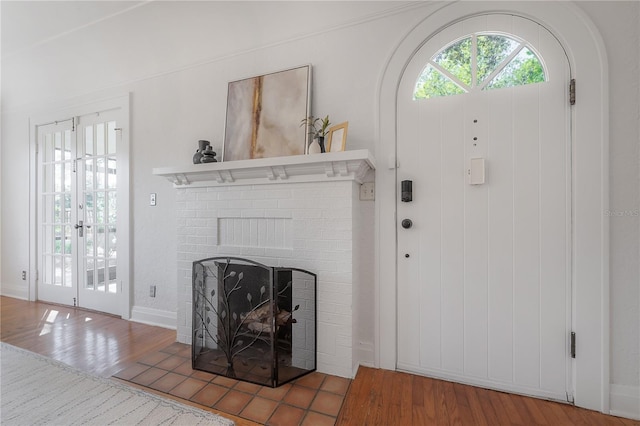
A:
(407, 223)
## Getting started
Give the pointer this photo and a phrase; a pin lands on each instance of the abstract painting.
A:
(264, 113)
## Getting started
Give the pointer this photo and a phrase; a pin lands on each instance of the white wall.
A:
(176, 60)
(619, 24)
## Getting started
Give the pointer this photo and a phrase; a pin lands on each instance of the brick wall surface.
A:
(302, 225)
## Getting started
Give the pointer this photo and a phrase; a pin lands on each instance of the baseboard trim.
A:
(157, 317)
(363, 356)
(16, 291)
(625, 401)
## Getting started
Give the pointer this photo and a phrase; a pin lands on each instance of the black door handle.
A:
(79, 226)
(407, 223)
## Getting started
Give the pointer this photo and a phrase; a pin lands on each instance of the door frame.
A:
(52, 114)
(590, 187)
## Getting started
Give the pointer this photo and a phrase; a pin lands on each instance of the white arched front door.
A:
(484, 270)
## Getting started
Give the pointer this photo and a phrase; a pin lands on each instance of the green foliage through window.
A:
(457, 60)
(499, 62)
(525, 68)
(432, 83)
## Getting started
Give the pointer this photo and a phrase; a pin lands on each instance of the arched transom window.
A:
(481, 61)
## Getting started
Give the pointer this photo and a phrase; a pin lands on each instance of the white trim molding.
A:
(346, 165)
(625, 401)
(151, 316)
(16, 291)
(590, 120)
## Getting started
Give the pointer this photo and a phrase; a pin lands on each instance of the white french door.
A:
(78, 212)
(484, 272)
(58, 265)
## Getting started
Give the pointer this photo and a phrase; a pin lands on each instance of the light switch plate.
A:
(367, 191)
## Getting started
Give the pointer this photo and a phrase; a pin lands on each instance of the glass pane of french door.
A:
(97, 183)
(56, 213)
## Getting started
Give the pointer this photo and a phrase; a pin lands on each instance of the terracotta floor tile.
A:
(286, 415)
(251, 388)
(209, 395)
(167, 382)
(202, 375)
(259, 410)
(312, 400)
(149, 376)
(277, 394)
(240, 367)
(327, 403)
(225, 381)
(174, 348)
(313, 380)
(131, 372)
(300, 396)
(260, 369)
(185, 352)
(170, 363)
(154, 358)
(233, 402)
(335, 384)
(188, 388)
(184, 368)
(317, 419)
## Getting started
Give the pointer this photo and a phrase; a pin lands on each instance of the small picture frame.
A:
(337, 140)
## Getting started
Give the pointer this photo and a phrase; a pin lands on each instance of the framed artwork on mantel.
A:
(264, 113)
(337, 137)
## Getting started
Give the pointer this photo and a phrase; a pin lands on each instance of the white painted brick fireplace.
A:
(301, 212)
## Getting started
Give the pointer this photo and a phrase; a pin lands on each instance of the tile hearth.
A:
(314, 399)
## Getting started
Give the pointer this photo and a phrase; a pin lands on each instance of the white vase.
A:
(314, 147)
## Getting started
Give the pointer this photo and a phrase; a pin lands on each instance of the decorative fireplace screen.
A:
(253, 322)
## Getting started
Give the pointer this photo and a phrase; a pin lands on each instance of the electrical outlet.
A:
(152, 199)
(368, 191)
(152, 291)
(24, 275)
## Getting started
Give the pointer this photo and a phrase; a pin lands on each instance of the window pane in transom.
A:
(524, 68)
(492, 50)
(457, 60)
(432, 83)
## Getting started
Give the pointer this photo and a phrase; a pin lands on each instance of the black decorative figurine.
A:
(208, 155)
(202, 144)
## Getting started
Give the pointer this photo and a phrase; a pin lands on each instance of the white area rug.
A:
(36, 390)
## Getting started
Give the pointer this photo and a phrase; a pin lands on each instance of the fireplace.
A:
(301, 211)
(253, 322)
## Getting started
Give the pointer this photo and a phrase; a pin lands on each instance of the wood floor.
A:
(99, 343)
(104, 344)
(382, 397)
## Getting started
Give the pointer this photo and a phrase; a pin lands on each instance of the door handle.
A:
(80, 228)
(406, 223)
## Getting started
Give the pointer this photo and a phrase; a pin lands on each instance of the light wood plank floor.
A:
(104, 344)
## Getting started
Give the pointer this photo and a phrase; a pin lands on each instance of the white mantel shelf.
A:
(345, 165)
